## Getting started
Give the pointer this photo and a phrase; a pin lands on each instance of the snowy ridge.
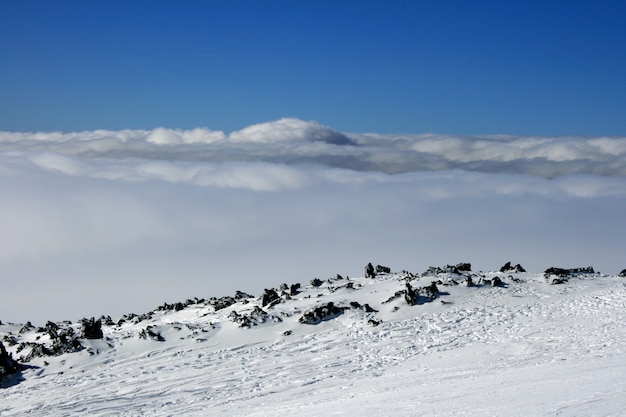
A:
(449, 341)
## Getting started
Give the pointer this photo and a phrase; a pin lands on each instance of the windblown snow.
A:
(447, 342)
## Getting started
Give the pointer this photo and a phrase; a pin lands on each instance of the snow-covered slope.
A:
(389, 344)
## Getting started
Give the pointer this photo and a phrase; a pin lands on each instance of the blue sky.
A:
(458, 67)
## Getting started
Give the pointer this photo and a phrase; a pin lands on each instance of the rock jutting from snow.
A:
(562, 272)
(380, 269)
(457, 269)
(254, 318)
(623, 273)
(316, 282)
(151, 332)
(508, 268)
(92, 328)
(369, 271)
(7, 365)
(322, 313)
(270, 297)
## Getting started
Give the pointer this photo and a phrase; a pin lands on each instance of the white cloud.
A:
(289, 130)
(162, 136)
(170, 214)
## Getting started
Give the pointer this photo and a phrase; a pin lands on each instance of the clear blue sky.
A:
(462, 67)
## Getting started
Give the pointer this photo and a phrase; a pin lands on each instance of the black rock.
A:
(572, 272)
(293, 290)
(316, 282)
(366, 307)
(149, 332)
(556, 271)
(221, 303)
(508, 268)
(240, 295)
(623, 273)
(431, 291)
(464, 267)
(410, 295)
(27, 327)
(369, 271)
(7, 365)
(270, 297)
(382, 269)
(92, 328)
(255, 317)
(497, 282)
(322, 313)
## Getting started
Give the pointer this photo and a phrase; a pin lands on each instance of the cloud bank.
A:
(117, 221)
(295, 142)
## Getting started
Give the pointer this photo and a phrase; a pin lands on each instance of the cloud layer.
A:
(294, 142)
(117, 221)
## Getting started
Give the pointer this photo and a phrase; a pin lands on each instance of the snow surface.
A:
(527, 348)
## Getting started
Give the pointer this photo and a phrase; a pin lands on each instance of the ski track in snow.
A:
(526, 349)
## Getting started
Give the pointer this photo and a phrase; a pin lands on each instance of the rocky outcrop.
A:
(254, 318)
(623, 273)
(270, 298)
(410, 295)
(151, 332)
(222, 302)
(7, 365)
(562, 275)
(365, 307)
(371, 272)
(458, 269)
(508, 268)
(415, 296)
(322, 313)
(562, 272)
(62, 337)
(294, 289)
(92, 328)
(316, 282)
(380, 269)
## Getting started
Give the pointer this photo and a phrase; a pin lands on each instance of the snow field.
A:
(528, 348)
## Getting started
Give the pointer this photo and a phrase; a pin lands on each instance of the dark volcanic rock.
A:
(316, 282)
(450, 269)
(464, 267)
(572, 272)
(366, 307)
(240, 295)
(270, 297)
(151, 333)
(380, 269)
(27, 327)
(293, 290)
(7, 365)
(322, 313)
(508, 268)
(255, 317)
(623, 273)
(222, 302)
(410, 295)
(417, 296)
(92, 328)
(369, 271)
(497, 282)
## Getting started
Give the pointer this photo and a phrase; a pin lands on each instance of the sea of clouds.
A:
(110, 222)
